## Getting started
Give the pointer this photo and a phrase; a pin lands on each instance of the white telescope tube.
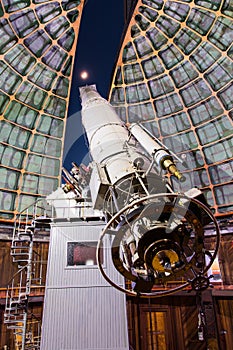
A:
(107, 135)
(104, 129)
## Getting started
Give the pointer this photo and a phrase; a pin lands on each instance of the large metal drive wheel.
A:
(159, 245)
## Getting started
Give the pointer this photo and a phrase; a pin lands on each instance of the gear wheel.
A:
(200, 283)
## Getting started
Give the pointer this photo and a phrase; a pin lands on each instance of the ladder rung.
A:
(19, 300)
(19, 241)
(19, 248)
(16, 320)
(13, 319)
(15, 315)
(15, 311)
(20, 238)
(9, 309)
(19, 258)
(26, 234)
(16, 299)
(21, 245)
(21, 261)
(23, 257)
(15, 327)
(24, 239)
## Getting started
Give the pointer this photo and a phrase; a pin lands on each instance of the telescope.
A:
(158, 236)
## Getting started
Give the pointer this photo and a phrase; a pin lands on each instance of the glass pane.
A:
(150, 14)
(161, 86)
(9, 79)
(140, 112)
(48, 11)
(156, 338)
(206, 110)
(56, 27)
(176, 10)
(11, 6)
(219, 151)
(82, 253)
(216, 130)
(157, 38)
(168, 105)
(132, 73)
(171, 56)
(42, 76)
(221, 172)
(168, 26)
(152, 67)
(200, 20)
(142, 22)
(174, 124)
(9, 178)
(7, 200)
(20, 59)
(187, 40)
(24, 22)
(137, 93)
(8, 38)
(143, 46)
(195, 93)
(183, 74)
(31, 95)
(221, 33)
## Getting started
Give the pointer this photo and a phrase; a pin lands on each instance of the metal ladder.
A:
(17, 299)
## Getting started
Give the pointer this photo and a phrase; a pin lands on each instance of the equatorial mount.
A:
(160, 246)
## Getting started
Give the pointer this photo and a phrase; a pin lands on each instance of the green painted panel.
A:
(31, 95)
(21, 114)
(9, 178)
(7, 200)
(9, 79)
(42, 76)
(20, 59)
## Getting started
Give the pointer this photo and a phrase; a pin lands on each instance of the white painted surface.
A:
(82, 311)
(107, 135)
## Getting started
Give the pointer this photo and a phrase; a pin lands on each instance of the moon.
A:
(84, 75)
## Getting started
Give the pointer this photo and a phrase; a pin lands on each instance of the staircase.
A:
(17, 316)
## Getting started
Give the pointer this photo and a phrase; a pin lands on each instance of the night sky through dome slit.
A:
(97, 49)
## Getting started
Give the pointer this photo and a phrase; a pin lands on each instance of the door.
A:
(155, 330)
